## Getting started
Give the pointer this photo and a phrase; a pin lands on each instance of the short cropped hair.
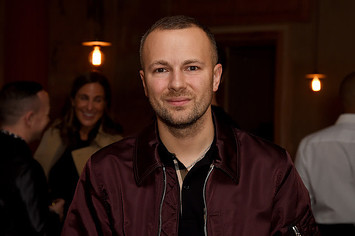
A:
(16, 98)
(347, 91)
(179, 22)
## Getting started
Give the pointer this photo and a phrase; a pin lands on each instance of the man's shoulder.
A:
(250, 140)
(257, 155)
(18, 161)
(326, 134)
(15, 148)
(231, 135)
(252, 148)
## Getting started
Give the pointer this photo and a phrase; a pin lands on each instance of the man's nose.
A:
(177, 80)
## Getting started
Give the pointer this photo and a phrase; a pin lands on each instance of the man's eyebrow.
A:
(165, 63)
(193, 61)
(158, 63)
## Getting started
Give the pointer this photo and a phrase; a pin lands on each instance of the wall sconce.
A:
(316, 84)
(96, 56)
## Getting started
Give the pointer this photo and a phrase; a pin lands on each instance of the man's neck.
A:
(190, 143)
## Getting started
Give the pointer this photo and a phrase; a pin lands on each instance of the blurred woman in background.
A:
(84, 128)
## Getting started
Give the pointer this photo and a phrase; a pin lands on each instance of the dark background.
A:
(269, 47)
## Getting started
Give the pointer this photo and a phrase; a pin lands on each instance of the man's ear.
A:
(28, 118)
(217, 74)
(141, 74)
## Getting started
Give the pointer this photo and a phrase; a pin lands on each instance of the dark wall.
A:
(41, 40)
(26, 40)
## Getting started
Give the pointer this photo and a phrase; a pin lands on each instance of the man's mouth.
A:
(178, 101)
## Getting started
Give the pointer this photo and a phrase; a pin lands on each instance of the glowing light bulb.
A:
(316, 84)
(96, 56)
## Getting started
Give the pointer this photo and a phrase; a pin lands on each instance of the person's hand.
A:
(58, 207)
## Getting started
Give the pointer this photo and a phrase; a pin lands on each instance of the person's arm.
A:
(292, 212)
(87, 215)
(32, 187)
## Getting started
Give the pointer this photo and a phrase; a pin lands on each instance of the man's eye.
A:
(192, 68)
(160, 70)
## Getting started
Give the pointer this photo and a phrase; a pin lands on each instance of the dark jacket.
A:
(252, 189)
(23, 192)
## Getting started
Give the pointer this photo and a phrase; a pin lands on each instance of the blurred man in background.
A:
(326, 163)
(24, 210)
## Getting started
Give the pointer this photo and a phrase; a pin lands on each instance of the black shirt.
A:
(191, 220)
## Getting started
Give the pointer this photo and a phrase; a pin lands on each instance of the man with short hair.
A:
(326, 163)
(24, 110)
(188, 173)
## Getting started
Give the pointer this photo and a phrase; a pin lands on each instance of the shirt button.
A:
(187, 187)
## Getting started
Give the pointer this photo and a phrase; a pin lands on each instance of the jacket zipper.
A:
(162, 200)
(204, 198)
(296, 231)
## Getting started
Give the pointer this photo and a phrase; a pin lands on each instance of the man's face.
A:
(179, 77)
(41, 117)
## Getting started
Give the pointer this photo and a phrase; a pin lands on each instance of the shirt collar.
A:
(147, 159)
(168, 157)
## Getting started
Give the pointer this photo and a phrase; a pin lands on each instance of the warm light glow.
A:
(316, 84)
(96, 56)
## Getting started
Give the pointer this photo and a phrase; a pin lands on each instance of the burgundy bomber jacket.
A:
(252, 189)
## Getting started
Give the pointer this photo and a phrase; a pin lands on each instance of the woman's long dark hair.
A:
(69, 125)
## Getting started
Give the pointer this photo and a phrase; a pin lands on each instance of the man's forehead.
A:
(193, 30)
(188, 38)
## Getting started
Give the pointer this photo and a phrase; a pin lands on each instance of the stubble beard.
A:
(172, 119)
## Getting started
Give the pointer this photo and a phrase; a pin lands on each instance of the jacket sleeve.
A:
(32, 187)
(292, 212)
(87, 214)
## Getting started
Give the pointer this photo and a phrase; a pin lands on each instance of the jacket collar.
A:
(146, 158)
(228, 148)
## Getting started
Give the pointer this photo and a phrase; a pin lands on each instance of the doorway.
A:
(247, 91)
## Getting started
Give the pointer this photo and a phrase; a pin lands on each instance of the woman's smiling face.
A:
(89, 104)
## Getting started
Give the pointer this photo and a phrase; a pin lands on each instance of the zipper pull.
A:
(296, 231)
